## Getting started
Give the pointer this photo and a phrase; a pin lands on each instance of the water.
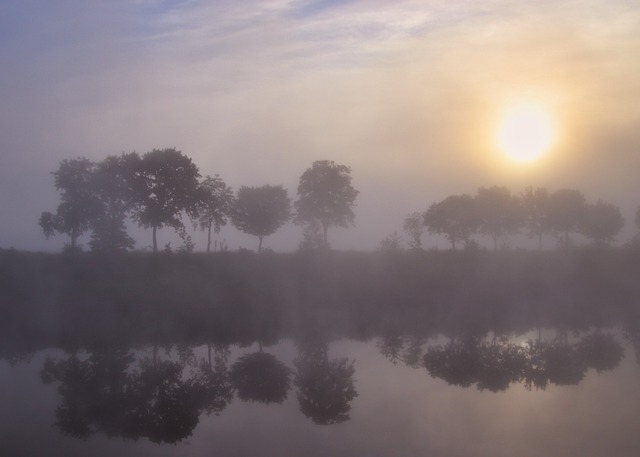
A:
(398, 408)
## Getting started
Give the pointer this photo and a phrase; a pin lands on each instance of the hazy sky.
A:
(407, 93)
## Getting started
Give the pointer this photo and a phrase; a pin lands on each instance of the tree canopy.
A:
(601, 222)
(165, 186)
(78, 206)
(498, 212)
(261, 211)
(454, 217)
(326, 196)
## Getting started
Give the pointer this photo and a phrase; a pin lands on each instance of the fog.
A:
(407, 95)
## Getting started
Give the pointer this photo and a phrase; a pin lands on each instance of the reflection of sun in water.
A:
(525, 132)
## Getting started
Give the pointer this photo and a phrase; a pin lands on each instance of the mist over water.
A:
(325, 352)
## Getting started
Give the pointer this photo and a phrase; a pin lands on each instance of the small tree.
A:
(453, 217)
(498, 212)
(413, 226)
(326, 196)
(78, 206)
(261, 211)
(601, 222)
(216, 203)
(165, 185)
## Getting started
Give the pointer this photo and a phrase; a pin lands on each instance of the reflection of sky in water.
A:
(398, 411)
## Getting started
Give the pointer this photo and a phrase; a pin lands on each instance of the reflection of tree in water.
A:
(407, 350)
(494, 365)
(96, 394)
(325, 387)
(261, 377)
(157, 399)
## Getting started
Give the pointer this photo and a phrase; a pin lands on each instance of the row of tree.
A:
(497, 213)
(158, 188)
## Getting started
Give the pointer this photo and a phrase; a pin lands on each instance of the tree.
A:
(78, 204)
(165, 185)
(601, 222)
(112, 184)
(453, 217)
(498, 212)
(566, 208)
(325, 386)
(413, 226)
(326, 196)
(535, 204)
(261, 377)
(216, 203)
(260, 211)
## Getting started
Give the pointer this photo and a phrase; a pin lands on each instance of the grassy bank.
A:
(241, 296)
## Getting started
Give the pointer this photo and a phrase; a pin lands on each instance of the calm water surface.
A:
(398, 408)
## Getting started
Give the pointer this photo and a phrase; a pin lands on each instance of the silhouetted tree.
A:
(325, 387)
(216, 205)
(260, 211)
(501, 364)
(498, 212)
(535, 203)
(78, 206)
(413, 226)
(564, 364)
(166, 185)
(261, 377)
(112, 184)
(95, 393)
(166, 406)
(600, 351)
(458, 362)
(566, 209)
(454, 217)
(601, 222)
(326, 196)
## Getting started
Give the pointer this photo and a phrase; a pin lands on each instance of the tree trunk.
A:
(209, 239)
(453, 243)
(260, 243)
(155, 239)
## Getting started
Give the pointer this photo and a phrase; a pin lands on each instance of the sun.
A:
(525, 132)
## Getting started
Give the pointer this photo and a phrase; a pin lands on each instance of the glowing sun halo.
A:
(525, 132)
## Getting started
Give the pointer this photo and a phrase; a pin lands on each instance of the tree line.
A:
(156, 189)
(497, 213)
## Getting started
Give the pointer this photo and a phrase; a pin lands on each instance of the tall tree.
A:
(454, 217)
(78, 206)
(535, 204)
(601, 222)
(326, 196)
(498, 212)
(216, 203)
(112, 184)
(165, 185)
(566, 209)
(260, 211)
